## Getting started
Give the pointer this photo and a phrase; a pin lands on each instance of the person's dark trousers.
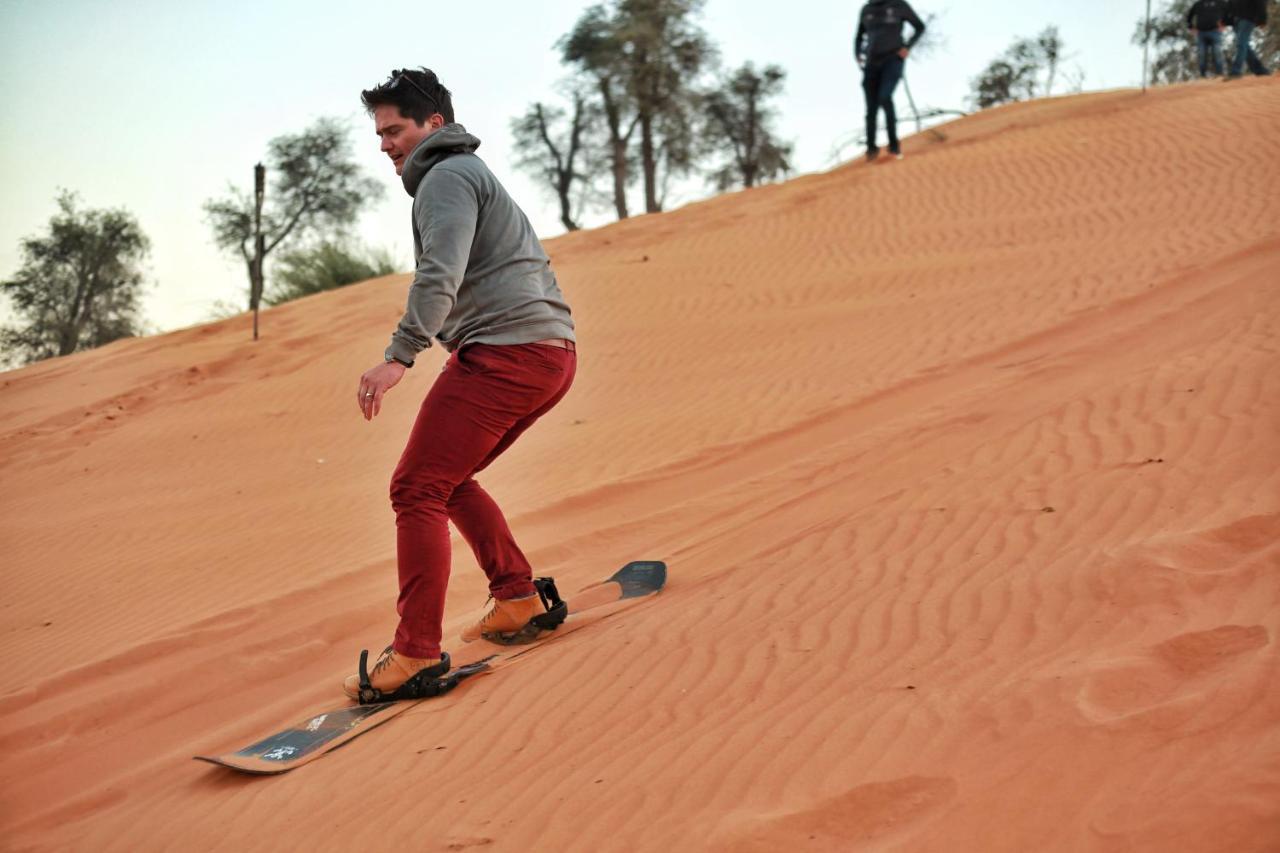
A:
(879, 80)
(1210, 44)
(1245, 51)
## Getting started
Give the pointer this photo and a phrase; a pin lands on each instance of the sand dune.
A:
(965, 468)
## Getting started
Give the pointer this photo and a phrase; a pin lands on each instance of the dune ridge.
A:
(964, 467)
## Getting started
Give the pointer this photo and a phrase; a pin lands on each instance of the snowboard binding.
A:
(557, 611)
(432, 681)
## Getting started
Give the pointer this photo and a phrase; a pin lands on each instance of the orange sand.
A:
(965, 467)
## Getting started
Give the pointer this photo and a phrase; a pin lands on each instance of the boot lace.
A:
(384, 660)
(492, 614)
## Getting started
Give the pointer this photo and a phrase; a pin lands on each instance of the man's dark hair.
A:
(417, 92)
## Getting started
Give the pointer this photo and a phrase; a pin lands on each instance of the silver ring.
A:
(368, 393)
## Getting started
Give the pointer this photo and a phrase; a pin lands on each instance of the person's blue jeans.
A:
(1245, 51)
(879, 80)
(1210, 43)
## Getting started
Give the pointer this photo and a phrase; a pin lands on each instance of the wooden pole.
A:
(259, 243)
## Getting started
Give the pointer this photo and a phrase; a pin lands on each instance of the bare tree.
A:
(929, 42)
(564, 157)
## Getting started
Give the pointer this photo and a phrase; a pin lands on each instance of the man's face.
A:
(401, 135)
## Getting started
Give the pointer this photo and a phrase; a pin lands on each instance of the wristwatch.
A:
(398, 361)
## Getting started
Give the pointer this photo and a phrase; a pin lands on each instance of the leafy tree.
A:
(316, 186)
(1016, 75)
(325, 266)
(739, 119)
(594, 48)
(664, 53)
(79, 286)
(1174, 57)
(644, 58)
(563, 157)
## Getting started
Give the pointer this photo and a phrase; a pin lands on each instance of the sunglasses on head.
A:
(402, 76)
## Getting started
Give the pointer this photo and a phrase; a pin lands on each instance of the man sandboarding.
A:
(485, 290)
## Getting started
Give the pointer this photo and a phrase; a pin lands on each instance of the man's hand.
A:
(903, 52)
(376, 382)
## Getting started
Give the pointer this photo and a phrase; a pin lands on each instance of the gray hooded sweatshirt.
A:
(482, 276)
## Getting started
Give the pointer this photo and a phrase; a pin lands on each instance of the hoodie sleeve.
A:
(859, 51)
(1191, 15)
(446, 222)
(917, 25)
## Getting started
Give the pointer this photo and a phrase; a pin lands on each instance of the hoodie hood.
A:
(448, 140)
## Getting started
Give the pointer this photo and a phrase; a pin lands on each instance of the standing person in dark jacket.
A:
(882, 55)
(1249, 15)
(1207, 21)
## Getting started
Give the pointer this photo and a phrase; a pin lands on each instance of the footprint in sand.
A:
(868, 814)
(1220, 550)
(1197, 679)
(1173, 570)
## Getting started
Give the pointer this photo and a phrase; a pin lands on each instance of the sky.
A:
(156, 106)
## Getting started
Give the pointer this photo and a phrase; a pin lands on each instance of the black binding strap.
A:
(557, 607)
(557, 610)
(424, 684)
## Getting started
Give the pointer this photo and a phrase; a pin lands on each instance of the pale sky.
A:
(156, 105)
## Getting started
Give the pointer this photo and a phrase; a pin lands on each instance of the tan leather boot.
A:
(392, 670)
(505, 617)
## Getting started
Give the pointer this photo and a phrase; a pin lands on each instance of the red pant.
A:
(479, 405)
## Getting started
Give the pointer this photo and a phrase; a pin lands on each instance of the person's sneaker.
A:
(505, 617)
(392, 670)
(872, 154)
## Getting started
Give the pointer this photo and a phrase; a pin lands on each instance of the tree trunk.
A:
(255, 267)
(620, 179)
(618, 145)
(75, 323)
(565, 184)
(650, 164)
(752, 163)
